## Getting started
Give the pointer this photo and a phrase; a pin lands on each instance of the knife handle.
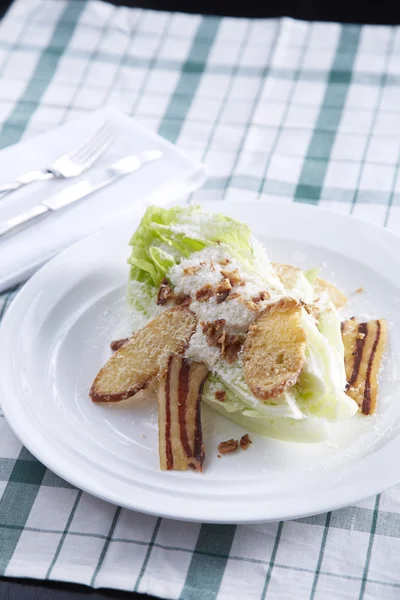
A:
(22, 219)
(23, 180)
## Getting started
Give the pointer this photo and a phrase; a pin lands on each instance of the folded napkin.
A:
(25, 251)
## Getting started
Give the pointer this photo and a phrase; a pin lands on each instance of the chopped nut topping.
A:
(233, 276)
(250, 304)
(222, 290)
(233, 295)
(232, 346)
(223, 286)
(222, 296)
(117, 344)
(261, 297)
(228, 446)
(183, 299)
(312, 309)
(221, 342)
(205, 293)
(213, 331)
(224, 261)
(359, 290)
(245, 441)
(164, 293)
(191, 270)
(220, 395)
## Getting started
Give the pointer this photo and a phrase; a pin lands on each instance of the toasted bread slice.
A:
(135, 364)
(179, 414)
(364, 344)
(337, 297)
(274, 351)
(288, 275)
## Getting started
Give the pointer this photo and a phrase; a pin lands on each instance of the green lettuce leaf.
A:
(320, 389)
(156, 247)
(283, 428)
(312, 275)
(166, 236)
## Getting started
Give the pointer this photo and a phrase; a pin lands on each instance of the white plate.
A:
(56, 335)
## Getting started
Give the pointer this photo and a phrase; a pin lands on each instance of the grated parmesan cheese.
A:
(238, 316)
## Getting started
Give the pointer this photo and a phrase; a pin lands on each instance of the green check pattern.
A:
(277, 109)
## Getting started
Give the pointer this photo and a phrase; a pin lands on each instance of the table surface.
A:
(385, 13)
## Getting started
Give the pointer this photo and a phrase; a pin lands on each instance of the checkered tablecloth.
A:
(280, 109)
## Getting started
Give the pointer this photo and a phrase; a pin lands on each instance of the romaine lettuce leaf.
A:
(320, 389)
(166, 236)
(312, 275)
(156, 247)
(284, 428)
(238, 390)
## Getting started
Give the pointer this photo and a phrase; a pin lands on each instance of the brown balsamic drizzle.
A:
(198, 449)
(360, 343)
(366, 405)
(168, 446)
(183, 391)
(117, 344)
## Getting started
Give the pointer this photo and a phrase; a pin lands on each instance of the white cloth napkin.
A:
(170, 177)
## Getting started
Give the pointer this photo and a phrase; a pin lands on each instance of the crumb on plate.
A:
(228, 446)
(245, 441)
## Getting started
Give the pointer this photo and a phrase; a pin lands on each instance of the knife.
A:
(99, 179)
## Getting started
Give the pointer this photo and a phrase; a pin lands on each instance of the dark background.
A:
(382, 12)
(350, 11)
(347, 11)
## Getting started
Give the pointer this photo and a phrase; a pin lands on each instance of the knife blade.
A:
(99, 179)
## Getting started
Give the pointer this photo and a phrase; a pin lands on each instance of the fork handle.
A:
(24, 180)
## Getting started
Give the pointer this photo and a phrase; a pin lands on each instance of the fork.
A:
(69, 165)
